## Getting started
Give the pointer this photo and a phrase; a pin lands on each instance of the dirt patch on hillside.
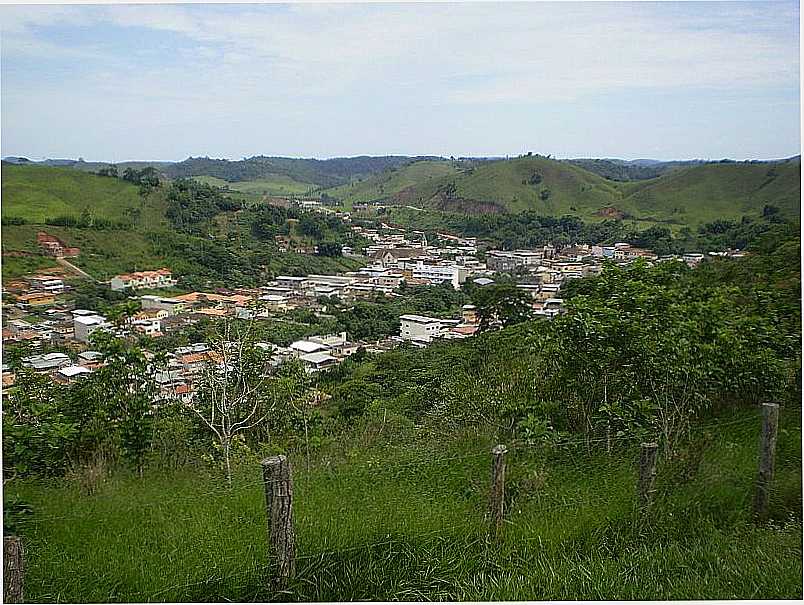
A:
(610, 212)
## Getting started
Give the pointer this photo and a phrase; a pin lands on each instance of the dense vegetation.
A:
(325, 173)
(530, 229)
(637, 170)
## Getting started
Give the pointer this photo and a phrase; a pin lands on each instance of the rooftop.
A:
(71, 371)
(317, 358)
(307, 346)
(419, 319)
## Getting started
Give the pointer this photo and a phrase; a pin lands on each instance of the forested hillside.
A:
(323, 173)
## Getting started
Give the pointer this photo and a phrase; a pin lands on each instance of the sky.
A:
(663, 80)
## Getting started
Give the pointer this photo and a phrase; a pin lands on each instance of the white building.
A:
(161, 278)
(303, 347)
(151, 326)
(453, 274)
(51, 285)
(419, 328)
(70, 373)
(85, 325)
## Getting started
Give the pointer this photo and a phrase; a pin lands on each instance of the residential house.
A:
(469, 314)
(303, 347)
(432, 273)
(194, 363)
(85, 324)
(150, 326)
(291, 281)
(90, 359)
(317, 361)
(160, 278)
(53, 246)
(47, 284)
(47, 362)
(390, 257)
(173, 306)
(35, 299)
(423, 329)
(69, 374)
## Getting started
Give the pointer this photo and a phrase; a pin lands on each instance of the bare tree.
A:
(234, 394)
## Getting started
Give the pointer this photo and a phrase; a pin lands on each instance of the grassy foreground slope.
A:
(382, 519)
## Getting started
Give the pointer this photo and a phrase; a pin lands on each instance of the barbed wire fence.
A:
(512, 492)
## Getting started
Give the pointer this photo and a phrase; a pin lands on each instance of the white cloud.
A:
(511, 52)
(232, 62)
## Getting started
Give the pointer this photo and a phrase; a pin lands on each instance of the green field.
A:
(277, 184)
(709, 192)
(36, 193)
(402, 518)
(104, 254)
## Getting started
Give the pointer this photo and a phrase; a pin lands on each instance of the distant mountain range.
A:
(317, 173)
(341, 171)
(686, 193)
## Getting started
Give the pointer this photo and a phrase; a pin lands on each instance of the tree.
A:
(234, 394)
(332, 249)
(126, 384)
(36, 431)
(309, 225)
(501, 305)
(109, 171)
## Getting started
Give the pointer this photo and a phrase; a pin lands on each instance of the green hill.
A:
(119, 230)
(524, 183)
(36, 193)
(685, 196)
(711, 191)
(393, 181)
(270, 184)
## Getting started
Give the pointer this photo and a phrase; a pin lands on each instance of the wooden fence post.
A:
(647, 474)
(767, 458)
(496, 505)
(13, 569)
(276, 474)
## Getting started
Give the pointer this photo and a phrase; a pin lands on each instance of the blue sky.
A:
(632, 80)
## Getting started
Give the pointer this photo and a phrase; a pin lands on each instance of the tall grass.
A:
(405, 521)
